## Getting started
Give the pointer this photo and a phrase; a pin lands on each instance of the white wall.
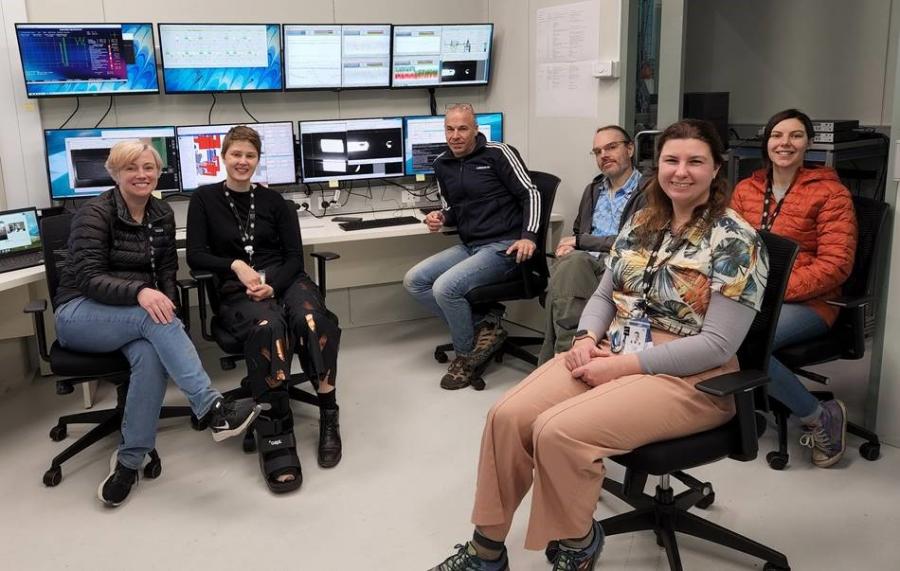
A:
(830, 58)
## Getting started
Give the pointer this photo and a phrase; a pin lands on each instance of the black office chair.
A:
(847, 337)
(665, 513)
(75, 367)
(529, 283)
(211, 329)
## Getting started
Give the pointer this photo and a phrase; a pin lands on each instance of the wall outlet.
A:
(607, 69)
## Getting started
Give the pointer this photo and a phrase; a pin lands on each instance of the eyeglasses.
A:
(607, 148)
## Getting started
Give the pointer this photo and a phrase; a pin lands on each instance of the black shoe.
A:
(230, 418)
(116, 487)
(329, 438)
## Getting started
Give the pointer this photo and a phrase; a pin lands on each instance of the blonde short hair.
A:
(125, 152)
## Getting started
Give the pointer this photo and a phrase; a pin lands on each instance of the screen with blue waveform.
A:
(87, 59)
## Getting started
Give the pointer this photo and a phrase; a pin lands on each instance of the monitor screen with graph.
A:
(441, 55)
(337, 56)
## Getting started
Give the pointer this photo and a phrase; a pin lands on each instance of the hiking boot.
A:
(459, 373)
(465, 559)
(828, 435)
(329, 438)
(488, 338)
(230, 418)
(116, 487)
(568, 559)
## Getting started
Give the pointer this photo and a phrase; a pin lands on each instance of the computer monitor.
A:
(76, 158)
(67, 60)
(425, 138)
(200, 154)
(337, 56)
(431, 56)
(712, 107)
(351, 149)
(214, 58)
(19, 231)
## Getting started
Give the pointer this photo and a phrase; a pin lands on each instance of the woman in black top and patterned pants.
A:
(248, 236)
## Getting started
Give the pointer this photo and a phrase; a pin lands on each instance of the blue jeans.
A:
(796, 323)
(440, 283)
(155, 351)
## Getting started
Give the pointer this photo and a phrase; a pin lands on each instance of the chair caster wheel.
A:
(58, 432)
(52, 477)
(249, 443)
(441, 357)
(551, 551)
(477, 383)
(870, 451)
(153, 469)
(706, 501)
(777, 460)
(198, 424)
(773, 567)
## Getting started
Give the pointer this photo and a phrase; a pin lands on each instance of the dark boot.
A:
(329, 438)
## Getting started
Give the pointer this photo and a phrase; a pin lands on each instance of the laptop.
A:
(20, 240)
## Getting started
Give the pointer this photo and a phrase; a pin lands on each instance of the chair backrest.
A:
(756, 349)
(870, 218)
(55, 245)
(546, 184)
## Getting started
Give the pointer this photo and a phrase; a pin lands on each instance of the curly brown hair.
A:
(656, 216)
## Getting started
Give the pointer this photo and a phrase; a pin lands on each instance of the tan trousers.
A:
(555, 430)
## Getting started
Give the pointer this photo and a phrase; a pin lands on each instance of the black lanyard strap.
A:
(652, 268)
(767, 221)
(245, 229)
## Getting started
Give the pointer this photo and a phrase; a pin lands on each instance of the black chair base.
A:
(665, 514)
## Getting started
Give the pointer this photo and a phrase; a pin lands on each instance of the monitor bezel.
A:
(405, 131)
(335, 89)
(339, 179)
(278, 185)
(162, 62)
(157, 62)
(487, 80)
(64, 198)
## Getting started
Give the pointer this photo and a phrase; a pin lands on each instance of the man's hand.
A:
(566, 245)
(523, 249)
(435, 220)
(247, 275)
(157, 304)
(260, 292)
(582, 352)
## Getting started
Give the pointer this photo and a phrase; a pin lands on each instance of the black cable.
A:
(209, 115)
(432, 102)
(105, 114)
(77, 105)
(255, 120)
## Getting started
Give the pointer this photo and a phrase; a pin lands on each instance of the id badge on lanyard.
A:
(630, 336)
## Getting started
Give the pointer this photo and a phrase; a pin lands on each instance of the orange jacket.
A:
(817, 213)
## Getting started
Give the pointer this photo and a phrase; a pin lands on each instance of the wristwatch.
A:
(582, 334)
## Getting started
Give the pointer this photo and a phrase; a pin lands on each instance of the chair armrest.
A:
(37, 308)
(184, 287)
(731, 383)
(850, 302)
(326, 256)
(321, 259)
(201, 280)
(201, 275)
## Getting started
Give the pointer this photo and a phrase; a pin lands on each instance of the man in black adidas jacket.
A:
(490, 199)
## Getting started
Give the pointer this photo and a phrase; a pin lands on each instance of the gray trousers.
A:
(573, 280)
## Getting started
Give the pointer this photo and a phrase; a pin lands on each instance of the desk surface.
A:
(315, 231)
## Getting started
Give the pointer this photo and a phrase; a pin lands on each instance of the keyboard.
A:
(21, 261)
(379, 223)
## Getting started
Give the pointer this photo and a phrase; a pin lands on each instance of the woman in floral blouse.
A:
(684, 281)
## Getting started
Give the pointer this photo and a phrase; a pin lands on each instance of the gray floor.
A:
(401, 497)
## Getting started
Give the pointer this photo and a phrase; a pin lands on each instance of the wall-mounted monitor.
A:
(351, 149)
(425, 140)
(67, 60)
(441, 55)
(76, 158)
(200, 154)
(214, 58)
(337, 56)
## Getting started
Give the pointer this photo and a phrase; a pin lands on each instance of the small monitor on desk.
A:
(425, 138)
(200, 154)
(337, 56)
(351, 149)
(216, 58)
(68, 60)
(76, 158)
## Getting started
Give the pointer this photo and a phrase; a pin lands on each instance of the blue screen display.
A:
(76, 158)
(425, 138)
(65, 60)
(213, 58)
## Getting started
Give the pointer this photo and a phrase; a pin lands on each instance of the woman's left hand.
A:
(595, 373)
(260, 292)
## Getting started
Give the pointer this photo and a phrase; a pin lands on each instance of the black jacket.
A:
(584, 220)
(109, 253)
(488, 194)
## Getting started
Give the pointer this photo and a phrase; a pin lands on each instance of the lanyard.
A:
(767, 222)
(650, 271)
(245, 229)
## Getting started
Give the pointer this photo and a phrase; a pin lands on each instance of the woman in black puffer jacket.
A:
(117, 292)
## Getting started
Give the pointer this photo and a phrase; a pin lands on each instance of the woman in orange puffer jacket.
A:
(813, 208)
